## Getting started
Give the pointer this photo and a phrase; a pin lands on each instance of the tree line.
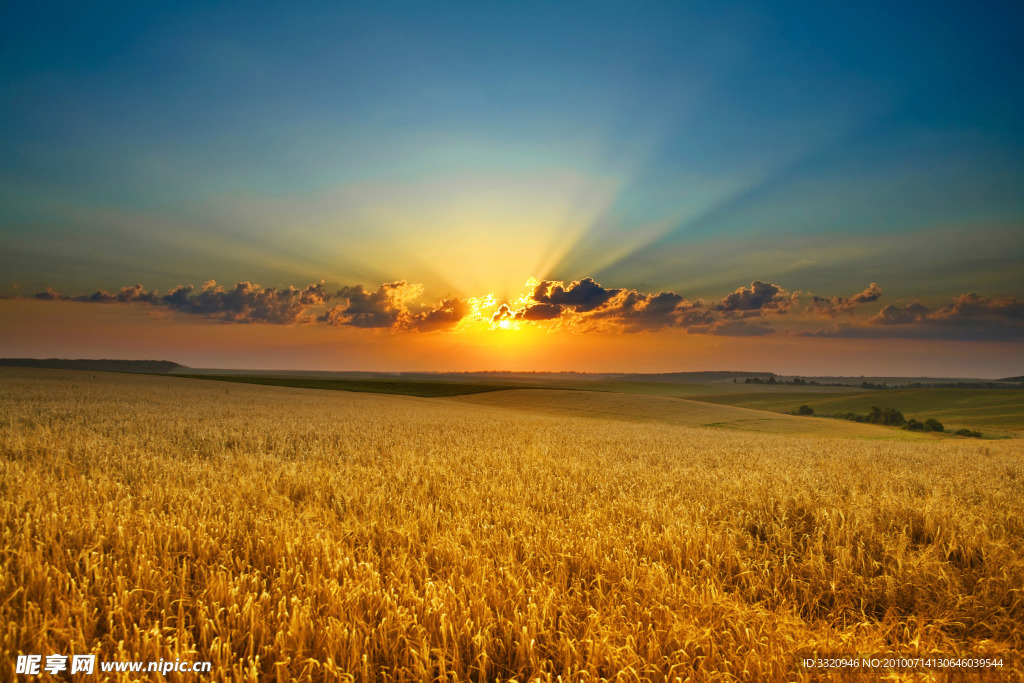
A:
(893, 418)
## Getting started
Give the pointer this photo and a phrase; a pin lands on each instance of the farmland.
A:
(997, 412)
(289, 533)
(599, 405)
(994, 411)
(376, 386)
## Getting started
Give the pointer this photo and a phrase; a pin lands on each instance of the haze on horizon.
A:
(815, 190)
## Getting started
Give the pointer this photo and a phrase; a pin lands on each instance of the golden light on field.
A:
(284, 534)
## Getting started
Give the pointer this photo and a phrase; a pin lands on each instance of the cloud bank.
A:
(760, 309)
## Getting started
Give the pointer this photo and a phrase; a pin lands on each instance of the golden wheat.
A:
(303, 535)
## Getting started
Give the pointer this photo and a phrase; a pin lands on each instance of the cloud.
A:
(539, 312)
(446, 314)
(967, 317)
(583, 306)
(901, 315)
(380, 308)
(581, 295)
(965, 308)
(973, 306)
(49, 294)
(126, 295)
(872, 293)
(504, 312)
(637, 311)
(831, 307)
(760, 296)
(587, 305)
(244, 303)
(388, 307)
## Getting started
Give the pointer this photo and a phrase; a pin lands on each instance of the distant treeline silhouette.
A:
(797, 381)
(800, 382)
(106, 365)
(966, 385)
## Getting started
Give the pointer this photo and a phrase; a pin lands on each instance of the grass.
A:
(374, 386)
(998, 411)
(677, 389)
(287, 535)
(602, 406)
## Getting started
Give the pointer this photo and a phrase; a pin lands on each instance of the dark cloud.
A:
(387, 307)
(973, 306)
(587, 305)
(637, 311)
(245, 302)
(379, 308)
(838, 304)
(872, 293)
(539, 312)
(970, 308)
(126, 295)
(591, 306)
(446, 314)
(760, 296)
(384, 307)
(581, 296)
(583, 305)
(901, 315)
(967, 317)
(504, 312)
(49, 294)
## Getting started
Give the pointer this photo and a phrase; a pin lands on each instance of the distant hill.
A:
(666, 409)
(696, 377)
(1012, 379)
(675, 377)
(512, 377)
(149, 366)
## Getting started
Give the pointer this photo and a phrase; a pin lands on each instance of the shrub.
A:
(914, 426)
(891, 416)
(887, 416)
(933, 425)
(805, 410)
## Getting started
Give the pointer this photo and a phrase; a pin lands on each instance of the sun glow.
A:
(491, 314)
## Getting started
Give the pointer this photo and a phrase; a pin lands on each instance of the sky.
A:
(805, 188)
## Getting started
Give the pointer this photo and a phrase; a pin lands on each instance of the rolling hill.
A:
(998, 411)
(663, 409)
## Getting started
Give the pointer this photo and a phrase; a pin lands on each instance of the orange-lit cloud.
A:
(968, 317)
(831, 307)
(760, 297)
(380, 308)
(584, 306)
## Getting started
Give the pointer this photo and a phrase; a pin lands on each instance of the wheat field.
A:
(289, 534)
